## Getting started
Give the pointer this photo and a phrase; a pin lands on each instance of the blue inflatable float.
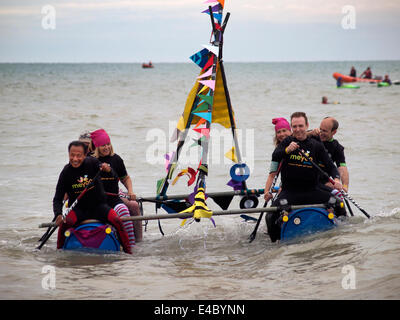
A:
(306, 221)
(94, 236)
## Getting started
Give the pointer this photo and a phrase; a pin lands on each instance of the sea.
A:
(45, 106)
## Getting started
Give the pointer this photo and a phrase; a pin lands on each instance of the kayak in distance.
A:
(346, 78)
(147, 65)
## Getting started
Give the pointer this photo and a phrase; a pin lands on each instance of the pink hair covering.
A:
(280, 123)
(100, 138)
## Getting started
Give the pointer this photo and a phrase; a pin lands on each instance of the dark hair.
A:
(77, 143)
(299, 115)
(335, 123)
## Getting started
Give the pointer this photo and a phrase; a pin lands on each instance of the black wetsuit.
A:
(73, 181)
(111, 182)
(93, 203)
(336, 153)
(300, 180)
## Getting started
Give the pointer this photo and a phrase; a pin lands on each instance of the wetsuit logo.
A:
(82, 182)
(301, 158)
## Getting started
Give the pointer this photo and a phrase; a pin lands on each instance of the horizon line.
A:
(186, 62)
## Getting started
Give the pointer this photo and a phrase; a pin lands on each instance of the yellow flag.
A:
(181, 124)
(231, 154)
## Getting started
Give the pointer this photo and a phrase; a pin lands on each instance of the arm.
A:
(271, 180)
(344, 177)
(330, 167)
(58, 198)
(284, 148)
(268, 184)
(127, 182)
(340, 161)
(313, 133)
(124, 177)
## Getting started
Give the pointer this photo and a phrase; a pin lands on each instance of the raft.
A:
(92, 236)
(306, 221)
(346, 78)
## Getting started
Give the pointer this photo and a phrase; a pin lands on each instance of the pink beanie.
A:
(100, 138)
(280, 123)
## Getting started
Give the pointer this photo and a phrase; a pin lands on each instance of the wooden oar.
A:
(215, 213)
(345, 194)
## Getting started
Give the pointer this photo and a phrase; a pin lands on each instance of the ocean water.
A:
(45, 106)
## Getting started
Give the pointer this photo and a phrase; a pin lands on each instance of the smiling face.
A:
(282, 133)
(325, 130)
(299, 128)
(105, 150)
(76, 156)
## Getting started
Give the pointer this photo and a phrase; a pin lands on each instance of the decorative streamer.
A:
(206, 74)
(203, 132)
(199, 208)
(208, 83)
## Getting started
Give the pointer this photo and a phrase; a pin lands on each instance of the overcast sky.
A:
(172, 30)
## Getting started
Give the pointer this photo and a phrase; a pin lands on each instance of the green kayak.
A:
(349, 86)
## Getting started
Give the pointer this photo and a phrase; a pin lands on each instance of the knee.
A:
(113, 217)
(133, 207)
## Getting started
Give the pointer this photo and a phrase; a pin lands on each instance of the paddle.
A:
(348, 207)
(53, 225)
(47, 232)
(254, 233)
(345, 194)
(47, 237)
(215, 213)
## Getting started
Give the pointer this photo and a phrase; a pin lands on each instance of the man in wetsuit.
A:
(78, 174)
(300, 180)
(325, 133)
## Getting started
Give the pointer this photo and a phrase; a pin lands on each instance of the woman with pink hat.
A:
(103, 150)
(282, 130)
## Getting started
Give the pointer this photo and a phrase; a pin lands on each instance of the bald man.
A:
(325, 133)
